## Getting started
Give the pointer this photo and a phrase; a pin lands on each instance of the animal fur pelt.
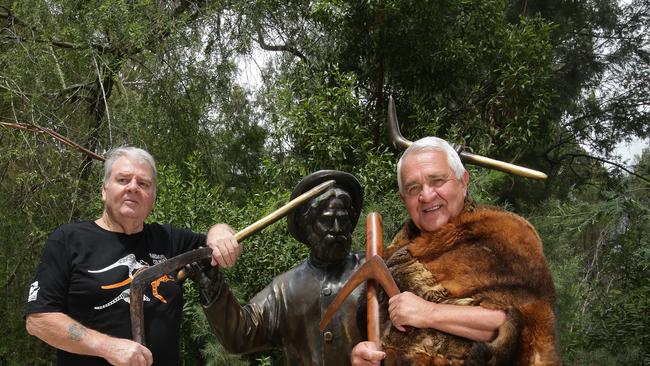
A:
(487, 257)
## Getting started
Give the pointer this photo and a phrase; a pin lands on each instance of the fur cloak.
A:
(487, 257)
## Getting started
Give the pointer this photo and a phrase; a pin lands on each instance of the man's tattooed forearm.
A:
(76, 331)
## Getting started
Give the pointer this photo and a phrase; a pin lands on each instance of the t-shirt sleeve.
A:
(184, 240)
(49, 287)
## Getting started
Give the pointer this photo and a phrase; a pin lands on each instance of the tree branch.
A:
(61, 44)
(622, 167)
(282, 48)
(57, 136)
(7, 14)
(608, 37)
(67, 92)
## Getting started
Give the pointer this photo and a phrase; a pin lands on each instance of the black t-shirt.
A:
(86, 271)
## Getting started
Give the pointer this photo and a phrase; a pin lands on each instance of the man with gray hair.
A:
(79, 299)
(476, 288)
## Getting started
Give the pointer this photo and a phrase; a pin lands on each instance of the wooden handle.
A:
(374, 246)
(501, 165)
(274, 216)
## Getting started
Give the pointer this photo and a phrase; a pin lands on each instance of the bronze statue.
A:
(285, 314)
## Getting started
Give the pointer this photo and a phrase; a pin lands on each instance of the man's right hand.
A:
(125, 352)
(61, 331)
(366, 353)
(225, 248)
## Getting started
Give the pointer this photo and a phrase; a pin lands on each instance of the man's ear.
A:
(401, 197)
(465, 180)
(103, 192)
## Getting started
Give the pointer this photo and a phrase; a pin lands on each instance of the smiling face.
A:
(430, 191)
(129, 192)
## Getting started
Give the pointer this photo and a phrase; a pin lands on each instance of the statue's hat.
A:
(344, 181)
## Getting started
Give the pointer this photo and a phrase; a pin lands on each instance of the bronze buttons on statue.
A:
(328, 336)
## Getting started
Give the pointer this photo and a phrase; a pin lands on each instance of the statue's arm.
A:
(239, 328)
(243, 329)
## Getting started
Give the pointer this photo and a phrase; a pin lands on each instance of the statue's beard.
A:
(331, 248)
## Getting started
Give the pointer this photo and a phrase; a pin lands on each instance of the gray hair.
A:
(432, 144)
(132, 153)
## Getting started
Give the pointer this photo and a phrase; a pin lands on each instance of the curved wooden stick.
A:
(143, 278)
(374, 268)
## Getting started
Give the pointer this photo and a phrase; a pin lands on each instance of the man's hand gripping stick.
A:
(145, 276)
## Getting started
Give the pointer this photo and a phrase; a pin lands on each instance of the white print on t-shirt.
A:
(125, 295)
(134, 265)
(128, 261)
(33, 291)
(157, 258)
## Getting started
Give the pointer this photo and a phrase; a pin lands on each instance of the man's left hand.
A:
(407, 309)
(225, 248)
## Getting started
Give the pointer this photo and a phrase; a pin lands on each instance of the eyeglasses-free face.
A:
(431, 192)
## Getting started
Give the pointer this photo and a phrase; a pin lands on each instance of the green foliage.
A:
(599, 255)
(33, 202)
(187, 200)
(532, 82)
(199, 344)
(321, 110)
(458, 69)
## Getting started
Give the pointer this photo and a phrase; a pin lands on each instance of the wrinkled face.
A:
(430, 190)
(330, 234)
(129, 194)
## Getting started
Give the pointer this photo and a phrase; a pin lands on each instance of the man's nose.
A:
(427, 194)
(133, 185)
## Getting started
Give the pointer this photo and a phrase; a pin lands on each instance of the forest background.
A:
(549, 84)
